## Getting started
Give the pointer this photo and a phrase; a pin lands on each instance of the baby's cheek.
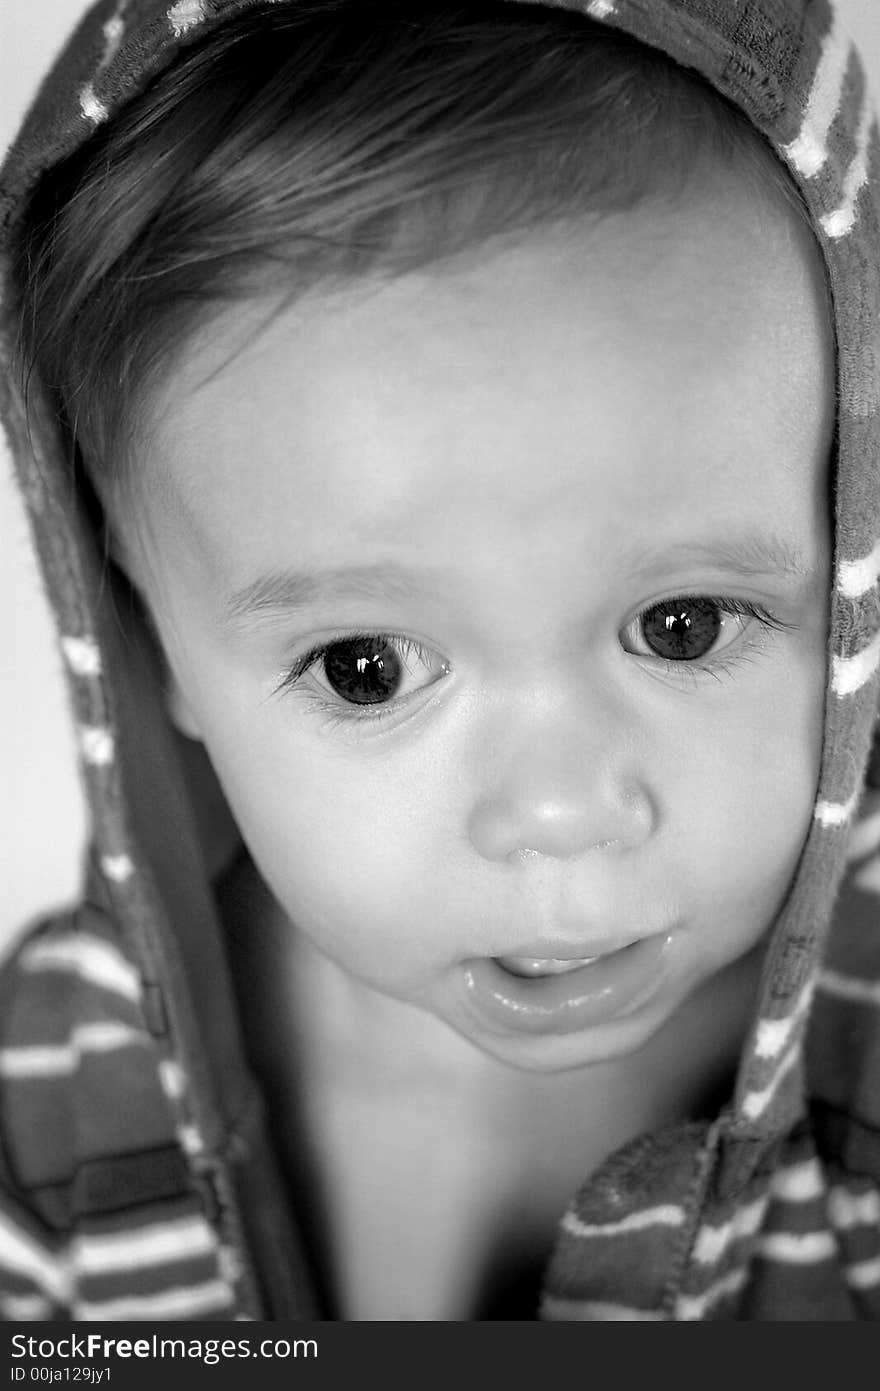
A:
(352, 876)
(773, 789)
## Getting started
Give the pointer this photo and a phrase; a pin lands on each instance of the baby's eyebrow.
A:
(751, 556)
(281, 593)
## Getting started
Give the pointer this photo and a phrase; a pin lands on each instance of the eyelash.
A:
(338, 711)
(726, 662)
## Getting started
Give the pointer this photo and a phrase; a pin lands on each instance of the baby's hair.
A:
(299, 146)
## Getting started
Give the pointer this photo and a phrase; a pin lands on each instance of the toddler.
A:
(450, 432)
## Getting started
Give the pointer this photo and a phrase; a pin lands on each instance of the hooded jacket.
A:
(137, 1178)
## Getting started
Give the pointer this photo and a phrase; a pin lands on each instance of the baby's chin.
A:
(559, 1053)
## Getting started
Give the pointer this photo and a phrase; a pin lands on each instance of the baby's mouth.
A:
(531, 994)
(542, 966)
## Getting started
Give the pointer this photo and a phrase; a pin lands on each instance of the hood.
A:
(790, 66)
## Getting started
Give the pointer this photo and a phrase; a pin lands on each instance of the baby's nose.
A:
(560, 815)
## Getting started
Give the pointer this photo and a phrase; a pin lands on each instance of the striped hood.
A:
(771, 1211)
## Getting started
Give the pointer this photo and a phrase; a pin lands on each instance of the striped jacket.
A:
(136, 1178)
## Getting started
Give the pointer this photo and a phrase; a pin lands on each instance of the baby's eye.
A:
(370, 668)
(690, 628)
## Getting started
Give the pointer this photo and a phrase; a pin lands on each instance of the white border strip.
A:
(799, 1183)
(24, 1257)
(666, 1215)
(848, 1210)
(797, 1248)
(91, 959)
(62, 1059)
(773, 1034)
(833, 814)
(755, 1102)
(858, 577)
(179, 1240)
(809, 151)
(849, 674)
(694, 1306)
(555, 1307)
(838, 223)
(712, 1242)
(178, 1303)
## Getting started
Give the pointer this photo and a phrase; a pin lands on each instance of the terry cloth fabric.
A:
(136, 1178)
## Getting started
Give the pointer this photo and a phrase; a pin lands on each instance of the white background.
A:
(42, 816)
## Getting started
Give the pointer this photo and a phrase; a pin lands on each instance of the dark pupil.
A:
(364, 671)
(681, 630)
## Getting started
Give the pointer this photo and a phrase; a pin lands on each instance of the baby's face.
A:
(498, 597)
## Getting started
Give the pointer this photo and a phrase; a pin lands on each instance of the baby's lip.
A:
(542, 966)
(566, 994)
(556, 959)
(555, 956)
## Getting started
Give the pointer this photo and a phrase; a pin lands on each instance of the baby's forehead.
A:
(724, 266)
(642, 383)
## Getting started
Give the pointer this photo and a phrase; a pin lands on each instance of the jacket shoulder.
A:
(101, 1214)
